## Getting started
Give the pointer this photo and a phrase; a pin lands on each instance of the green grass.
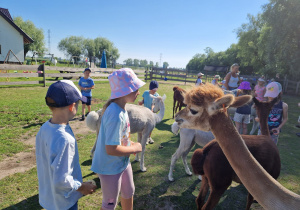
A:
(23, 111)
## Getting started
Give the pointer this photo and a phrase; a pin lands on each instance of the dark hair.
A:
(153, 84)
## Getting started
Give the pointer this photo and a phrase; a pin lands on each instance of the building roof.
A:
(216, 68)
(6, 15)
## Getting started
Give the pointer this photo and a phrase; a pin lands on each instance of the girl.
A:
(111, 159)
(279, 113)
(199, 80)
(260, 90)
(242, 114)
(215, 81)
(232, 78)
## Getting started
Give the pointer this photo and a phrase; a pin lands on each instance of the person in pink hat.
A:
(111, 158)
(260, 90)
(242, 114)
(279, 113)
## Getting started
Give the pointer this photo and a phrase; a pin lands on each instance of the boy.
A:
(58, 168)
(147, 100)
(86, 84)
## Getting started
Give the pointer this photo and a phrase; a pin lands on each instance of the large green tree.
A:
(35, 33)
(111, 52)
(72, 46)
(90, 48)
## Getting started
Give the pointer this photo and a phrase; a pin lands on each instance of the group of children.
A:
(58, 168)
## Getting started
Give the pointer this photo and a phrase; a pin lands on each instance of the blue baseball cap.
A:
(87, 69)
(63, 93)
(153, 84)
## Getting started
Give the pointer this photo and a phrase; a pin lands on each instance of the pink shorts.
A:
(112, 185)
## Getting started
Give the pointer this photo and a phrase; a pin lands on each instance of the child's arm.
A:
(87, 188)
(141, 102)
(284, 118)
(118, 150)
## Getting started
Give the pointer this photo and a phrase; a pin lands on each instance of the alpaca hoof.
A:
(171, 179)
(144, 169)
(189, 173)
(200, 177)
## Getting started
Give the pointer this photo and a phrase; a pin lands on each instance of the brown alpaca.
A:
(217, 174)
(206, 110)
(178, 98)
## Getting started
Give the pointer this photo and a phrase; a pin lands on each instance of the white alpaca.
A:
(188, 138)
(142, 121)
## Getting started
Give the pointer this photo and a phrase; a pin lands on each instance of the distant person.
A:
(232, 78)
(279, 113)
(215, 81)
(199, 79)
(111, 158)
(57, 158)
(86, 84)
(242, 114)
(148, 101)
(260, 90)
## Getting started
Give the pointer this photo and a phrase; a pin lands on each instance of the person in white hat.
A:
(199, 80)
(279, 113)
(216, 80)
(111, 158)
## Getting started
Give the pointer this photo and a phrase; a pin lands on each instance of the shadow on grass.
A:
(33, 125)
(163, 126)
(31, 203)
(87, 162)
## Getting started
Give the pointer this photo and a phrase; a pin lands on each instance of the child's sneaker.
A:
(82, 118)
(86, 114)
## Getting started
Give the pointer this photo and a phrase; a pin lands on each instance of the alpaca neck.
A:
(263, 122)
(160, 115)
(266, 190)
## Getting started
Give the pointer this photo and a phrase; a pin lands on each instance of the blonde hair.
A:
(235, 64)
(106, 105)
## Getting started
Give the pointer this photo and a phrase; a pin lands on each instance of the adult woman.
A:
(232, 78)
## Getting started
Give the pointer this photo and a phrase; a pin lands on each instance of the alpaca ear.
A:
(256, 101)
(241, 100)
(164, 97)
(220, 103)
(152, 96)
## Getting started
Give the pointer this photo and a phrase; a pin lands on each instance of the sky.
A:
(170, 31)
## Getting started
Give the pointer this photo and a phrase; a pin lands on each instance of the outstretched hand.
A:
(87, 188)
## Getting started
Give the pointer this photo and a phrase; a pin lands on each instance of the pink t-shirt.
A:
(259, 92)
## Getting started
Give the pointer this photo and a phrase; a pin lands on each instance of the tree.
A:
(136, 62)
(72, 46)
(112, 53)
(90, 48)
(143, 63)
(35, 33)
(156, 64)
(151, 63)
(128, 62)
(165, 65)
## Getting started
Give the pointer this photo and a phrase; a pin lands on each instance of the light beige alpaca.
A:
(206, 110)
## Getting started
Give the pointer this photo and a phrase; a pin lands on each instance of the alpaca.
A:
(216, 171)
(178, 98)
(188, 138)
(206, 110)
(142, 121)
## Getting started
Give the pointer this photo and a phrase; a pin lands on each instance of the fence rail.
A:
(98, 74)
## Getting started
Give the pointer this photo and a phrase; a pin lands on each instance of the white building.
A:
(12, 39)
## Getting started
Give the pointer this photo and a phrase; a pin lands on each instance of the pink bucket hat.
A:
(123, 82)
(273, 89)
(245, 86)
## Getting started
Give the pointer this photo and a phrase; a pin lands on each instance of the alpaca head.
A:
(158, 102)
(263, 108)
(203, 102)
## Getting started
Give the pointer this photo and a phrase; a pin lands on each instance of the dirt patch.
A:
(25, 161)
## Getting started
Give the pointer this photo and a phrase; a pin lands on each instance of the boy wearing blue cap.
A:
(86, 84)
(57, 159)
(147, 100)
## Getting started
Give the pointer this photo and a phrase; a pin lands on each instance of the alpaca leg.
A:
(214, 197)
(174, 103)
(94, 147)
(139, 135)
(202, 193)
(184, 155)
(254, 127)
(174, 158)
(249, 201)
(143, 142)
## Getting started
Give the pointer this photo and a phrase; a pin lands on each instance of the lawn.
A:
(23, 111)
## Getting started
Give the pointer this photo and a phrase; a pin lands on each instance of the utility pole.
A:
(49, 46)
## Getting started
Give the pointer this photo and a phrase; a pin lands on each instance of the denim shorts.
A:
(241, 118)
(88, 101)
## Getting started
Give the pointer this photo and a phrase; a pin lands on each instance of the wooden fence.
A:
(288, 86)
(49, 72)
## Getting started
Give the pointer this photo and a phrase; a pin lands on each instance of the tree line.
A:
(269, 43)
(143, 63)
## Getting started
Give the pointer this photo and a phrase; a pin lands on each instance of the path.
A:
(25, 161)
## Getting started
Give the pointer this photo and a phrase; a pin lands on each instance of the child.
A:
(58, 168)
(111, 159)
(242, 114)
(260, 90)
(199, 80)
(148, 101)
(86, 84)
(279, 113)
(215, 81)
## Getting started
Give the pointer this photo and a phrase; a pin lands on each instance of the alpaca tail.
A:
(197, 161)
(175, 128)
(91, 120)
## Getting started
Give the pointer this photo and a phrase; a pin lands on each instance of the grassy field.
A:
(23, 111)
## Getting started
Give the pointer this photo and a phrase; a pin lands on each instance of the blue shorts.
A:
(88, 101)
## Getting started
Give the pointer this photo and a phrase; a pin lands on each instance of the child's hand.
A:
(256, 119)
(276, 131)
(140, 102)
(87, 188)
(137, 146)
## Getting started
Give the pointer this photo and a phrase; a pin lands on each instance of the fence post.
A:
(44, 74)
(297, 88)
(186, 73)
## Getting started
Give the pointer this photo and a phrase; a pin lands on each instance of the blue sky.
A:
(173, 30)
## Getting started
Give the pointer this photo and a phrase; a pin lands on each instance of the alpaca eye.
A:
(193, 111)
